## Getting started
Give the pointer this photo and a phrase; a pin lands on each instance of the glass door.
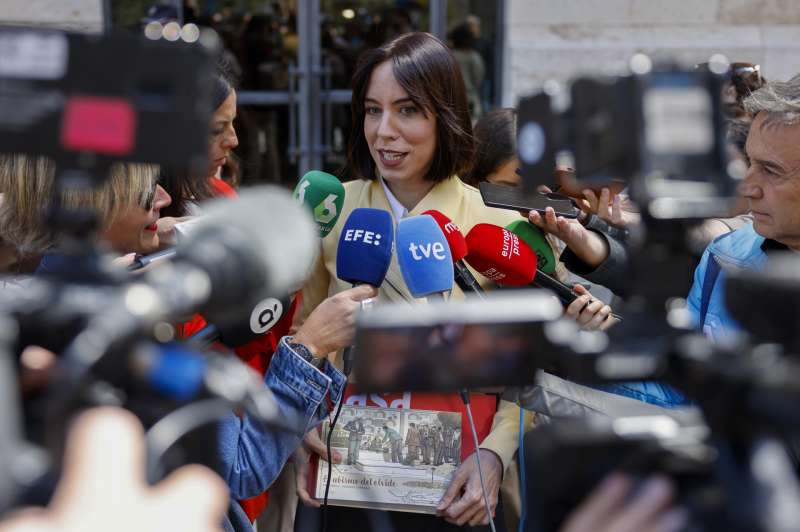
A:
(293, 59)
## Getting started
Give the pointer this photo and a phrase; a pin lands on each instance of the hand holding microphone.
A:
(504, 257)
(332, 325)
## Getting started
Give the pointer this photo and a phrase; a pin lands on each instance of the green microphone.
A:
(533, 236)
(324, 195)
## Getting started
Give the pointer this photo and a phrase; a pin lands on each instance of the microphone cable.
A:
(346, 369)
(465, 399)
(521, 463)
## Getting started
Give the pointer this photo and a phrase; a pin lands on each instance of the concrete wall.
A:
(557, 39)
(74, 15)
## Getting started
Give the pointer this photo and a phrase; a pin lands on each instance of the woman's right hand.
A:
(332, 325)
(312, 444)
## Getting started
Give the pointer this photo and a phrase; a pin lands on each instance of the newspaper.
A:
(391, 459)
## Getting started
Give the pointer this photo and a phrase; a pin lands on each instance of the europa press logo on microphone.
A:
(363, 235)
(510, 244)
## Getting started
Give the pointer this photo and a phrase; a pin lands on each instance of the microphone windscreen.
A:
(533, 236)
(235, 331)
(500, 255)
(365, 247)
(424, 256)
(253, 246)
(455, 239)
(323, 194)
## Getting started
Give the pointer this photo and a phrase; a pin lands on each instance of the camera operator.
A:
(772, 190)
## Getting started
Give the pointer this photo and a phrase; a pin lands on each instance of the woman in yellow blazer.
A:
(411, 139)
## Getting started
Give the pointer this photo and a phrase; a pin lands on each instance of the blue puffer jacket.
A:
(737, 249)
(740, 249)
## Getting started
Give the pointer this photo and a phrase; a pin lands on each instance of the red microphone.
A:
(503, 257)
(458, 249)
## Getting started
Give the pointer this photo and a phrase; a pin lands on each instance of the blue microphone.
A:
(365, 247)
(424, 256)
(364, 254)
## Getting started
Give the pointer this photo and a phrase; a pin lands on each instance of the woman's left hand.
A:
(590, 313)
(463, 502)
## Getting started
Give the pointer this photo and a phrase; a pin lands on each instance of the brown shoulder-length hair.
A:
(428, 72)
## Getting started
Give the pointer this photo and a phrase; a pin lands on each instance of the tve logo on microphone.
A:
(424, 251)
(424, 256)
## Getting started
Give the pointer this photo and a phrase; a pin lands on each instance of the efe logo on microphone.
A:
(368, 237)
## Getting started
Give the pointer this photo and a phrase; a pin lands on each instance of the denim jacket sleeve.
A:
(252, 455)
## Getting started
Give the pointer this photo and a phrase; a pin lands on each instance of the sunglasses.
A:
(746, 78)
(149, 196)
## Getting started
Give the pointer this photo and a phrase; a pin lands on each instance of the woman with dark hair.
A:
(496, 149)
(411, 139)
(187, 190)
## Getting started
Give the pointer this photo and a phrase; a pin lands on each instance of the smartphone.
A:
(517, 199)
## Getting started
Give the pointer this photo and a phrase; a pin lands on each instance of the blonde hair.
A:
(27, 184)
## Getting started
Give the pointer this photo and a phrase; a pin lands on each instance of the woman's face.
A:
(135, 230)
(223, 137)
(401, 138)
(506, 174)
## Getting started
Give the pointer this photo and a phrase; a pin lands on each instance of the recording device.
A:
(524, 200)
(263, 317)
(458, 249)
(323, 194)
(661, 130)
(76, 99)
(447, 346)
(424, 256)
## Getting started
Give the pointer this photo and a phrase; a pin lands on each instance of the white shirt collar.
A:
(398, 209)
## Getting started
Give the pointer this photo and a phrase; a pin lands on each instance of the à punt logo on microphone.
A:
(363, 235)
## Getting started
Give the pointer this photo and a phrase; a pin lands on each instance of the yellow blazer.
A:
(463, 205)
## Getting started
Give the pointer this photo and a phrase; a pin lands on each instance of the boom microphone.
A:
(243, 250)
(424, 256)
(533, 236)
(251, 247)
(458, 249)
(323, 194)
(364, 253)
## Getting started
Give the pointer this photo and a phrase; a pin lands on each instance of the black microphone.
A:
(235, 331)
